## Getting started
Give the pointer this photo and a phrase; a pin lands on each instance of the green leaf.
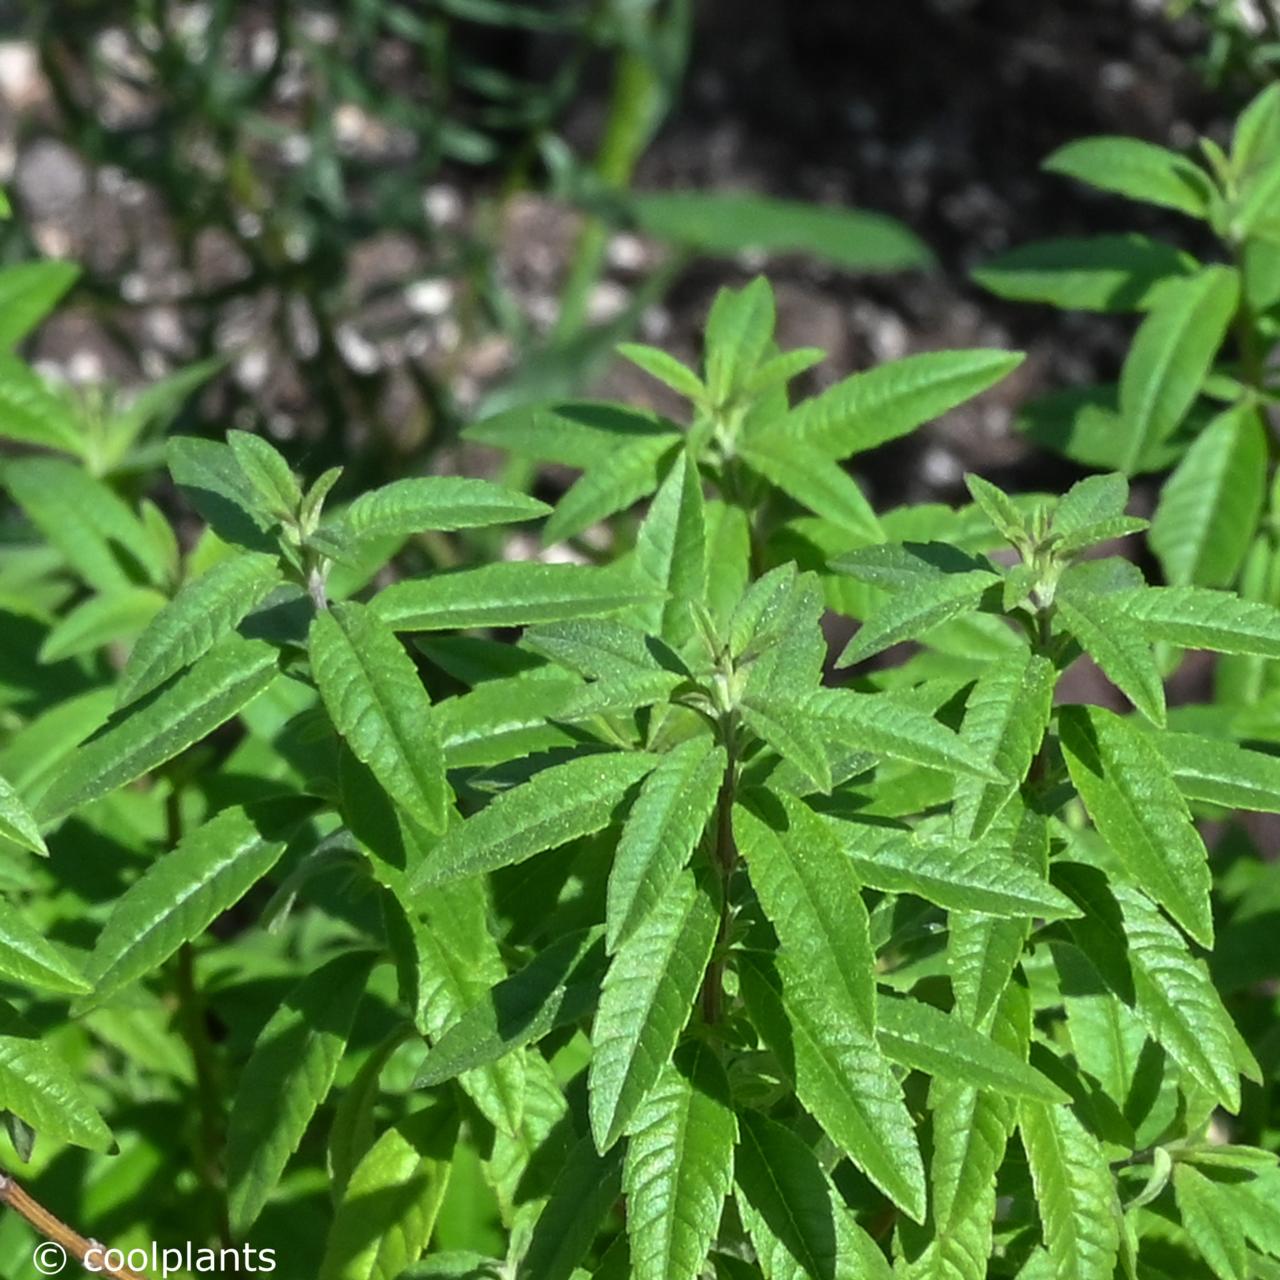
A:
(998, 507)
(784, 726)
(1075, 1196)
(661, 831)
(645, 1002)
(405, 507)
(581, 433)
(100, 538)
(1218, 772)
(210, 479)
(31, 413)
(1138, 810)
(738, 332)
(679, 1167)
(1199, 618)
(387, 1213)
(29, 958)
(1257, 132)
(598, 648)
(814, 481)
(925, 1039)
(893, 399)
(811, 896)
(888, 726)
(549, 992)
(665, 368)
(1145, 961)
(508, 595)
(910, 614)
(16, 822)
(38, 1087)
(1137, 170)
(1209, 1218)
(379, 705)
(99, 621)
(286, 1079)
(183, 892)
(587, 1186)
(959, 877)
(1005, 718)
(28, 292)
(555, 806)
(1173, 350)
(1093, 273)
(797, 1221)
(202, 613)
(1117, 646)
(723, 223)
(671, 551)
(1209, 508)
(146, 734)
(840, 1075)
(611, 485)
(267, 471)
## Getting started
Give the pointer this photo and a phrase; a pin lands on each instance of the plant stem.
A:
(53, 1228)
(195, 1031)
(726, 859)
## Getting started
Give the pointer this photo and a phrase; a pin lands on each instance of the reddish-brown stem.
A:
(53, 1228)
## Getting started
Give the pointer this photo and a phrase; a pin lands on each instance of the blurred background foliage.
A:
(361, 225)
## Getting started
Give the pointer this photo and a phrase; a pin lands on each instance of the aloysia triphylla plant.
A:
(593, 931)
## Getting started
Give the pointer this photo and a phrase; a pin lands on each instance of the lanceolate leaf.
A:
(508, 595)
(909, 614)
(378, 703)
(183, 892)
(924, 1038)
(16, 822)
(662, 829)
(1118, 647)
(811, 895)
(1209, 1218)
(38, 1087)
(406, 507)
(1209, 507)
(1005, 719)
(816, 482)
(204, 611)
(100, 621)
(1197, 618)
(893, 399)
(645, 1002)
(611, 485)
(679, 1167)
(796, 1220)
(388, 1211)
(28, 958)
(586, 1186)
(1094, 273)
(840, 1076)
(148, 733)
(287, 1078)
(671, 550)
(1172, 352)
(786, 728)
(888, 726)
(555, 806)
(559, 986)
(1130, 795)
(1138, 170)
(1141, 956)
(1076, 1199)
(28, 292)
(961, 877)
(1219, 772)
